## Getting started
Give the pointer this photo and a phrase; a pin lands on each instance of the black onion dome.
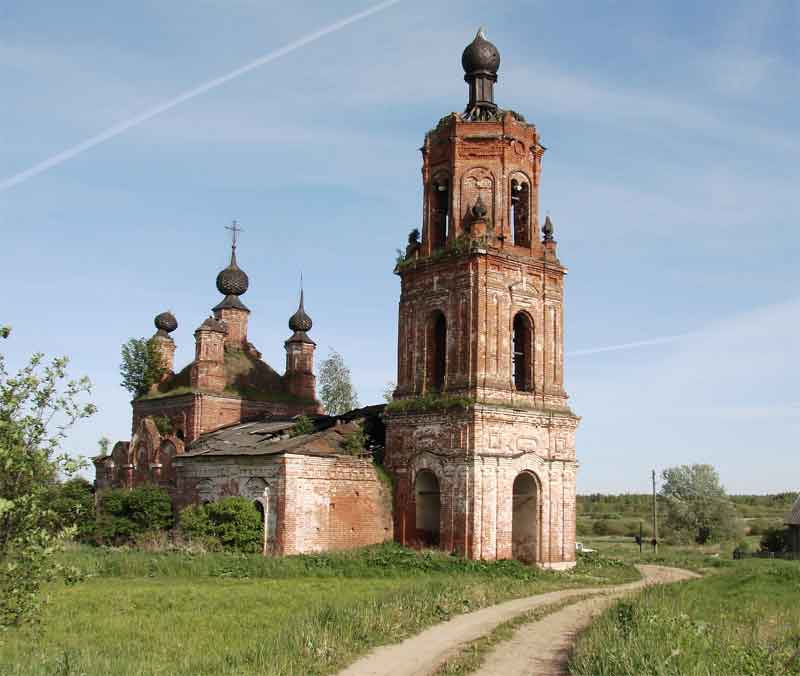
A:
(300, 321)
(232, 281)
(480, 56)
(166, 322)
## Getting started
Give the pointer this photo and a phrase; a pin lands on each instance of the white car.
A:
(580, 548)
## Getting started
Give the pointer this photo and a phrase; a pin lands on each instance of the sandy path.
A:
(421, 654)
(542, 648)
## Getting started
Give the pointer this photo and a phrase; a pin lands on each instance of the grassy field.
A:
(622, 514)
(702, 559)
(743, 620)
(172, 613)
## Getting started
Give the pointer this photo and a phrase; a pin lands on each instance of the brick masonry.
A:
(505, 465)
(315, 503)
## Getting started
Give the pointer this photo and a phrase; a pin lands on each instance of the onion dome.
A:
(547, 229)
(299, 323)
(165, 323)
(481, 61)
(232, 282)
(480, 56)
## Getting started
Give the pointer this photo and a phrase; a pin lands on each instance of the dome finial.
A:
(232, 281)
(547, 229)
(480, 61)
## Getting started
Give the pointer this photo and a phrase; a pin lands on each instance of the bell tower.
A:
(480, 417)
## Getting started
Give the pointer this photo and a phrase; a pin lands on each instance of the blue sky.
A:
(672, 135)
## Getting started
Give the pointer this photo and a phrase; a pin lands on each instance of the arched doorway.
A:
(262, 506)
(427, 499)
(524, 524)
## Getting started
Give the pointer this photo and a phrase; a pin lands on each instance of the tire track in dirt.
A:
(421, 654)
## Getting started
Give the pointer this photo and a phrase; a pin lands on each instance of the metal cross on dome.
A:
(235, 230)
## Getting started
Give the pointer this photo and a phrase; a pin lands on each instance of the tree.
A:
(697, 507)
(336, 390)
(141, 366)
(388, 391)
(38, 406)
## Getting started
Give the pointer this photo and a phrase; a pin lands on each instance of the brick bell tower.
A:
(480, 438)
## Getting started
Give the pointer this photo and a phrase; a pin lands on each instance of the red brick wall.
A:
(236, 323)
(316, 503)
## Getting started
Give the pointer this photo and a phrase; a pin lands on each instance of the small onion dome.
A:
(480, 56)
(211, 324)
(165, 323)
(300, 321)
(232, 281)
(547, 229)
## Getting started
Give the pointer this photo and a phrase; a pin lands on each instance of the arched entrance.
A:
(524, 524)
(262, 505)
(426, 497)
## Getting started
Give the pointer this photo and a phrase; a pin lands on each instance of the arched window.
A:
(522, 351)
(437, 351)
(520, 210)
(440, 207)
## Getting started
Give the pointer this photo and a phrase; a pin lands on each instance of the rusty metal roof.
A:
(272, 436)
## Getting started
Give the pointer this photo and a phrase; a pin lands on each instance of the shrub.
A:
(775, 540)
(761, 526)
(234, 521)
(610, 527)
(123, 515)
(355, 443)
(71, 505)
(304, 425)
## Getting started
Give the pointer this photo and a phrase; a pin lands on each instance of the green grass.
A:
(744, 620)
(171, 613)
(701, 559)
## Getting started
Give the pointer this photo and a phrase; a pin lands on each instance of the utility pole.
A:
(655, 516)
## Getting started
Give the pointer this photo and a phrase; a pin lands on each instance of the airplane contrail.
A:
(121, 127)
(628, 346)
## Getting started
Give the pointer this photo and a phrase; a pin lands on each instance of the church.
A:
(477, 447)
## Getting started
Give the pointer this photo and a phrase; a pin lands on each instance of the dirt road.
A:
(537, 648)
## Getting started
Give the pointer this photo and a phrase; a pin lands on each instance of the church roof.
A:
(793, 517)
(246, 376)
(271, 435)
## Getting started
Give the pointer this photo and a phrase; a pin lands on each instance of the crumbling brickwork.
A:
(315, 503)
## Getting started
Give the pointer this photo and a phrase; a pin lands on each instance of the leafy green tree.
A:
(124, 514)
(336, 390)
(141, 366)
(38, 407)
(71, 505)
(697, 507)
